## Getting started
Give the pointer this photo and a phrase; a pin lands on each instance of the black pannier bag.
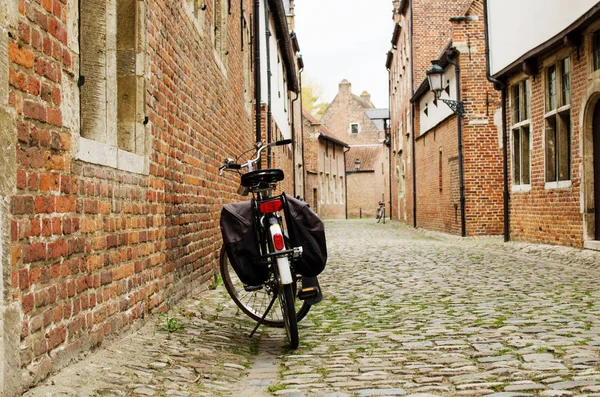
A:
(306, 229)
(241, 243)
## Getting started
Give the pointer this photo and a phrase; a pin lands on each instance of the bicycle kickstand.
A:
(264, 316)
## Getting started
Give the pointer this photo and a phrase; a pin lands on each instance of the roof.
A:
(366, 154)
(378, 113)
(332, 139)
(378, 116)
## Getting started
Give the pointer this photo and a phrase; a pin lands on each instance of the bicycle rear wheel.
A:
(255, 303)
(286, 300)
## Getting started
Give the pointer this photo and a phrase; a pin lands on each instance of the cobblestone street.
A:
(405, 313)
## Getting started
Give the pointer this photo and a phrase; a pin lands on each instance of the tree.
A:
(311, 93)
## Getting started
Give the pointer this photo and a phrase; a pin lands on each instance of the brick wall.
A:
(94, 248)
(549, 214)
(436, 150)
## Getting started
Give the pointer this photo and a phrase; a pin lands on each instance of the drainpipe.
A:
(498, 84)
(269, 78)
(389, 136)
(294, 139)
(412, 124)
(257, 81)
(461, 176)
(346, 181)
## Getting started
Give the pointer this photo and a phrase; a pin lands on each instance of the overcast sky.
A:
(346, 40)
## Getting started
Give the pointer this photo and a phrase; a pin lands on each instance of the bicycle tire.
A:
(286, 300)
(254, 303)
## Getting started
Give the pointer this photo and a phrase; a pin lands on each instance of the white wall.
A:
(437, 114)
(517, 26)
(279, 90)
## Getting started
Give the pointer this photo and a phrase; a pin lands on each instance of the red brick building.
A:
(113, 122)
(448, 169)
(355, 120)
(550, 78)
(324, 162)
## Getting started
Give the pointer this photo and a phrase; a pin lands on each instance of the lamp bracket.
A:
(456, 106)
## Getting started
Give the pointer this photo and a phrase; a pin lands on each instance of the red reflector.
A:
(278, 242)
(271, 206)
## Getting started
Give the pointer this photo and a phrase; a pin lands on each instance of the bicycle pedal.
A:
(306, 293)
(252, 288)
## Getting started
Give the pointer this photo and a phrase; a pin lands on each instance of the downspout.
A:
(412, 124)
(498, 84)
(295, 142)
(346, 181)
(257, 81)
(461, 176)
(269, 77)
(389, 134)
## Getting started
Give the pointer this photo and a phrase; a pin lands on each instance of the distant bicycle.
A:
(380, 212)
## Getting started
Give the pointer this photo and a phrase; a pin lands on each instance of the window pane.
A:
(525, 156)
(516, 100)
(551, 149)
(516, 157)
(551, 88)
(596, 50)
(564, 146)
(566, 81)
(526, 99)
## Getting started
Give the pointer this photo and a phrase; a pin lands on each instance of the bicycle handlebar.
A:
(230, 165)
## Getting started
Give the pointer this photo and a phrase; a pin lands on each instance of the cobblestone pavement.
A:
(405, 313)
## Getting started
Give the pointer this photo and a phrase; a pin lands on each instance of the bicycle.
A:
(270, 287)
(380, 213)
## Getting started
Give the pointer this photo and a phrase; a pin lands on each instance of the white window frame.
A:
(557, 113)
(519, 126)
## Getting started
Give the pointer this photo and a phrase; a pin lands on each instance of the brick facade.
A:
(560, 212)
(348, 120)
(324, 160)
(105, 224)
(434, 151)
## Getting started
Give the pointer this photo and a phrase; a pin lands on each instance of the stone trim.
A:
(95, 152)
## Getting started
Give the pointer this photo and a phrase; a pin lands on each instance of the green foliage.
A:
(311, 93)
(171, 324)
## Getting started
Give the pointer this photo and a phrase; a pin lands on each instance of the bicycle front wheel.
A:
(286, 300)
(255, 303)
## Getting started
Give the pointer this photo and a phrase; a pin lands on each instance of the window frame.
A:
(554, 116)
(520, 108)
(357, 128)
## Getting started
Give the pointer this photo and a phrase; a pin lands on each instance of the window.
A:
(558, 123)
(112, 83)
(521, 142)
(247, 65)
(342, 188)
(334, 189)
(596, 50)
(354, 128)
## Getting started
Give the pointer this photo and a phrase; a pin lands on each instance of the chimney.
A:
(366, 97)
(345, 87)
(291, 17)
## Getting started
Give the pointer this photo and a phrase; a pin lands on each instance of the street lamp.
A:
(435, 75)
(357, 164)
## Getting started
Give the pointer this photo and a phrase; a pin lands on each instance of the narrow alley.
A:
(406, 312)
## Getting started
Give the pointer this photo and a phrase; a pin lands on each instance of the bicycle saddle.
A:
(259, 177)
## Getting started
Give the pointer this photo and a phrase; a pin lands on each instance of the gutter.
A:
(498, 84)
(283, 34)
